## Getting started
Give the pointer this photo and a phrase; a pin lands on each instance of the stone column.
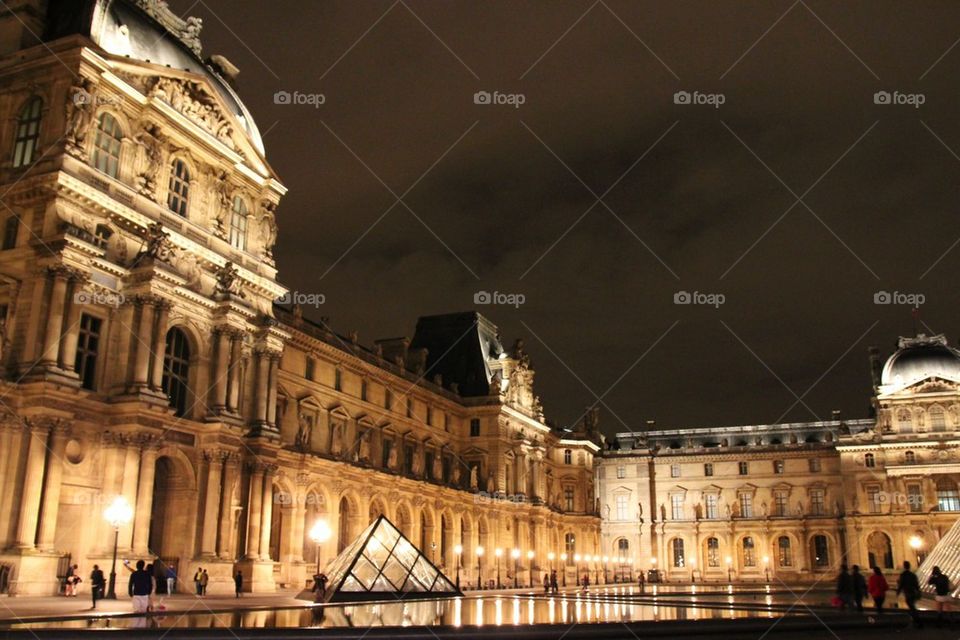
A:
(51, 488)
(235, 370)
(51, 337)
(222, 372)
(36, 432)
(230, 471)
(159, 345)
(272, 389)
(263, 385)
(144, 343)
(208, 540)
(68, 351)
(128, 488)
(144, 506)
(266, 513)
(253, 512)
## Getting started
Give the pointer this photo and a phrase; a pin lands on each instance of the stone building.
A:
(791, 502)
(143, 354)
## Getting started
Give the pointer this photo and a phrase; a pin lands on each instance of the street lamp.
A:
(766, 567)
(553, 568)
(693, 570)
(498, 552)
(319, 533)
(118, 514)
(576, 563)
(515, 554)
(606, 559)
(457, 550)
(596, 569)
(653, 566)
(916, 543)
(479, 555)
(729, 569)
(530, 566)
(563, 567)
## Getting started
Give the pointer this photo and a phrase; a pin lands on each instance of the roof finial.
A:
(915, 312)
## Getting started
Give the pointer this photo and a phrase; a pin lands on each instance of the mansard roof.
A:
(462, 348)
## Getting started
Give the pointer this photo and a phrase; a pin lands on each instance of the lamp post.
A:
(729, 569)
(515, 554)
(596, 570)
(457, 551)
(553, 568)
(319, 533)
(653, 566)
(479, 555)
(606, 559)
(498, 552)
(118, 514)
(766, 567)
(693, 570)
(563, 567)
(576, 563)
(916, 543)
(530, 555)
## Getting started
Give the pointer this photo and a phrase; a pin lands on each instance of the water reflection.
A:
(614, 604)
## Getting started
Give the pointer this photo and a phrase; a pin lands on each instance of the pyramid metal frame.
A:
(377, 561)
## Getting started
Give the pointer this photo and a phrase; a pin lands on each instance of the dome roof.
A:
(920, 358)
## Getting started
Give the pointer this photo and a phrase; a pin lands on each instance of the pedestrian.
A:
(238, 583)
(844, 588)
(204, 580)
(642, 582)
(320, 584)
(171, 580)
(70, 581)
(859, 587)
(877, 586)
(139, 589)
(586, 582)
(941, 585)
(96, 584)
(909, 586)
(546, 583)
(196, 580)
(553, 581)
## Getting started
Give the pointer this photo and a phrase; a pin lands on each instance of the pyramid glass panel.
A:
(381, 564)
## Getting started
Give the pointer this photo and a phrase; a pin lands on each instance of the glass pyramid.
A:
(946, 555)
(381, 564)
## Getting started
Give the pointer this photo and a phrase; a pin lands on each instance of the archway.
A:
(405, 521)
(376, 510)
(170, 516)
(345, 533)
(315, 509)
(446, 540)
(879, 550)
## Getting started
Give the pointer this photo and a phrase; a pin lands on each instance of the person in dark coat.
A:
(909, 586)
(859, 587)
(97, 584)
(845, 588)
(941, 586)
(238, 583)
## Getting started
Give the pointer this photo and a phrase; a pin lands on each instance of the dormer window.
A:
(107, 145)
(869, 461)
(179, 191)
(238, 224)
(567, 456)
(28, 133)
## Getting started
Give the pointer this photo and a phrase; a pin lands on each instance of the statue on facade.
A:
(228, 281)
(763, 508)
(336, 438)
(224, 204)
(663, 512)
(437, 468)
(268, 227)
(363, 454)
(392, 459)
(416, 467)
(491, 487)
(474, 483)
(150, 140)
(304, 431)
(157, 245)
(79, 117)
(456, 474)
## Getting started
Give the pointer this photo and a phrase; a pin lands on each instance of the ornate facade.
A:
(791, 502)
(143, 355)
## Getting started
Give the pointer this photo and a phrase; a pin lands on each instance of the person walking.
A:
(204, 581)
(238, 583)
(909, 586)
(70, 581)
(546, 583)
(171, 580)
(941, 586)
(139, 589)
(877, 587)
(859, 587)
(844, 588)
(553, 581)
(196, 580)
(97, 584)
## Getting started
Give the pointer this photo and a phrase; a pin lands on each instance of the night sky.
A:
(694, 197)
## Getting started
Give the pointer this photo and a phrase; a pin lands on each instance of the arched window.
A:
(947, 497)
(784, 552)
(179, 193)
(28, 133)
(238, 224)
(570, 547)
(176, 370)
(713, 552)
(909, 457)
(821, 551)
(679, 560)
(623, 549)
(567, 456)
(869, 460)
(749, 552)
(106, 145)
(904, 421)
(938, 421)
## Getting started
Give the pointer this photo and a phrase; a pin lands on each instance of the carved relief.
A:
(193, 101)
(79, 116)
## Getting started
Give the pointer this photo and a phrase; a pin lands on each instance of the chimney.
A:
(875, 366)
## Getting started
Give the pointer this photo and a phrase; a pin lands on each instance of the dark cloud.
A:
(798, 302)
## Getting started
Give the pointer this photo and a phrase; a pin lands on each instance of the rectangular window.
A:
(621, 502)
(780, 506)
(474, 427)
(713, 552)
(814, 465)
(915, 498)
(708, 469)
(409, 407)
(821, 553)
(710, 504)
(338, 379)
(674, 471)
(387, 399)
(873, 499)
(746, 505)
(310, 369)
(676, 507)
(568, 498)
(744, 468)
(621, 472)
(238, 227)
(363, 390)
(88, 346)
(567, 456)
(817, 502)
(778, 466)
(430, 416)
(10, 232)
